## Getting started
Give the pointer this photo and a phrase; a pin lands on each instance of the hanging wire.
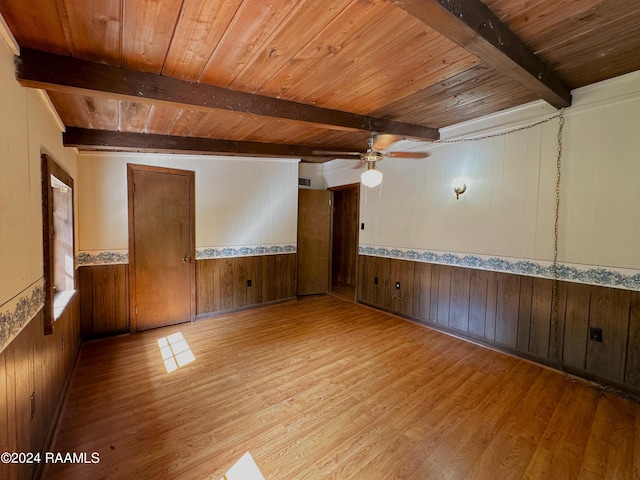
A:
(556, 275)
(501, 134)
(555, 301)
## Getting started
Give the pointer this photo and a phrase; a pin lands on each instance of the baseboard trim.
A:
(220, 313)
(57, 415)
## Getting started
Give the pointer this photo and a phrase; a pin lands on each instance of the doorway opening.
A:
(344, 249)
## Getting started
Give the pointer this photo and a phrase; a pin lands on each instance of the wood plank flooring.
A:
(343, 290)
(322, 388)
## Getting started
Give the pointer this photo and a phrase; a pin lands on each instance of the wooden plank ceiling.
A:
(299, 77)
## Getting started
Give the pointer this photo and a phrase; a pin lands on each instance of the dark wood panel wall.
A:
(104, 299)
(514, 313)
(33, 371)
(225, 284)
(222, 284)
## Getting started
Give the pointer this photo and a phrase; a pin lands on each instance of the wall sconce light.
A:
(371, 177)
(459, 186)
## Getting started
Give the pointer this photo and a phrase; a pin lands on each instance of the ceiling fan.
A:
(376, 142)
(373, 177)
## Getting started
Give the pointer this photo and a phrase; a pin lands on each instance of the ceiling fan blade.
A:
(385, 140)
(407, 154)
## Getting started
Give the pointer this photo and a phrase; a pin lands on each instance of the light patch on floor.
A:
(244, 469)
(175, 351)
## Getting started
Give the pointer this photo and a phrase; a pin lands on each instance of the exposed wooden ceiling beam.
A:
(473, 26)
(67, 74)
(142, 142)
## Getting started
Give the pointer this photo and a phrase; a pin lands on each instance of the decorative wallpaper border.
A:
(102, 257)
(205, 253)
(608, 277)
(105, 257)
(19, 311)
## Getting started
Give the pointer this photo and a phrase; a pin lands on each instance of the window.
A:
(58, 240)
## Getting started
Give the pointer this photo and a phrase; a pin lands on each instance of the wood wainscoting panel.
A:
(402, 273)
(492, 306)
(459, 300)
(576, 330)
(372, 290)
(387, 280)
(372, 284)
(7, 400)
(207, 286)
(226, 283)
(13, 400)
(223, 283)
(254, 274)
(524, 313)
(478, 286)
(34, 369)
(444, 295)
(515, 313)
(609, 310)
(422, 290)
(240, 282)
(285, 279)
(632, 375)
(382, 271)
(104, 299)
(434, 293)
(540, 317)
(268, 278)
(507, 309)
(362, 283)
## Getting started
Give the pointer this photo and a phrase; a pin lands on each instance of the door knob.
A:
(186, 259)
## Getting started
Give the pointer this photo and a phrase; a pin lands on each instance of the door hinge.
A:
(136, 310)
(134, 188)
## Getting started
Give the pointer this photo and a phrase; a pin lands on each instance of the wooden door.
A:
(314, 241)
(161, 246)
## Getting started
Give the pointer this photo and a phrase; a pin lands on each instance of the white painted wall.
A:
(27, 129)
(510, 184)
(314, 172)
(508, 209)
(239, 201)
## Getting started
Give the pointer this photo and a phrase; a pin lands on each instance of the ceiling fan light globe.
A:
(371, 178)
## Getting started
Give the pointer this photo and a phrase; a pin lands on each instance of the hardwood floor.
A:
(342, 290)
(322, 388)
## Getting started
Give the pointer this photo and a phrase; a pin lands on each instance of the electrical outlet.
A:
(375, 280)
(595, 334)
(248, 283)
(362, 226)
(397, 285)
